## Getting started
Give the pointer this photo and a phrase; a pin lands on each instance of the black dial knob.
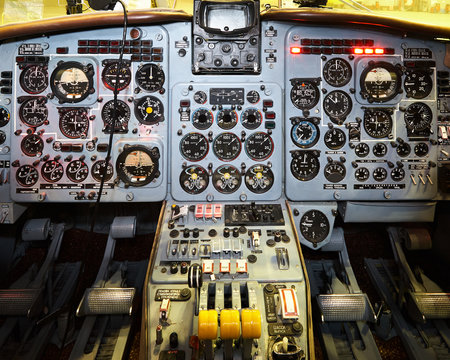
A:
(186, 233)
(173, 268)
(226, 232)
(235, 232)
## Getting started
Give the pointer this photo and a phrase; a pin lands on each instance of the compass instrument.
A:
(34, 79)
(150, 77)
(259, 178)
(227, 146)
(314, 226)
(72, 82)
(149, 110)
(74, 123)
(33, 111)
(259, 146)
(194, 179)
(32, 145)
(337, 72)
(226, 179)
(202, 119)
(109, 75)
(27, 175)
(138, 165)
(52, 171)
(194, 147)
(304, 133)
(77, 171)
(123, 114)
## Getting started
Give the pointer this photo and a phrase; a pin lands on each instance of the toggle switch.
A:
(164, 309)
(421, 179)
(429, 179)
(288, 304)
(255, 239)
(413, 179)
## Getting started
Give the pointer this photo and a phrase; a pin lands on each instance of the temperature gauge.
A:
(227, 119)
(77, 171)
(259, 179)
(202, 119)
(27, 175)
(251, 119)
(226, 179)
(52, 171)
(194, 179)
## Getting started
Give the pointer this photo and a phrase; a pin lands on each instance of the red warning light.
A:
(379, 51)
(358, 51)
(295, 50)
(368, 51)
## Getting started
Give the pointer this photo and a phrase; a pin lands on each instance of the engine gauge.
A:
(194, 179)
(227, 119)
(73, 123)
(337, 72)
(52, 171)
(77, 171)
(251, 119)
(32, 145)
(380, 81)
(109, 75)
(418, 117)
(379, 174)
(403, 149)
(2, 137)
(304, 94)
(337, 105)
(4, 116)
(150, 77)
(314, 226)
(149, 110)
(362, 150)
(138, 165)
(72, 82)
(334, 139)
(98, 169)
(305, 165)
(123, 114)
(377, 123)
(397, 174)
(253, 97)
(379, 149)
(259, 178)
(418, 84)
(259, 146)
(421, 149)
(33, 111)
(227, 146)
(226, 179)
(200, 97)
(27, 175)
(305, 134)
(362, 174)
(334, 171)
(34, 79)
(202, 119)
(194, 146)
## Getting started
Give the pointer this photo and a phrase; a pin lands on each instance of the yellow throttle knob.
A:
(251, 323)
(207, 324)
(230, 324)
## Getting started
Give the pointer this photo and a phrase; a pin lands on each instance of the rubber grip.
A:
(207, 324)
(230, 324)
(251, 323)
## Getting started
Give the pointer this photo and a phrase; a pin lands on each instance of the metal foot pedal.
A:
(428, 306)
(345, 307)
(107, 301)
(21, 302)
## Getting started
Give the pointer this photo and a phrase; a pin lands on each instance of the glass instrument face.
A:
(149, 110)
(227, 146)
(32, 145)
(137, 165)
(111, 74)
(259, 146)
(377, 123)
(305, 95)
(259, 178)
(98, 169)
(77, 171)
(150, 77)
(380, 82)
(314, 226)
(27, 175)
(122, 116)
(194, 146)
(305, 134)
(226, 179)
(33, 111)
(52, 171)
(337, 72)
(194, 179)
(72, 82)
(34, 79)
(74, 123)
(305, 165)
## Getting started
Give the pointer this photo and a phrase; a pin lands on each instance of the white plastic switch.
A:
(443, 132)
(217, 211)
(255, 239)
(288, 305)
(208, 211)
(225, 266)
(199, 210)
(241, 266)
(164, 310)
(208, 266)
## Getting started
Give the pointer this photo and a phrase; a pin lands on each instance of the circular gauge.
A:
(137, 165)
(421, 149)
(380, 81)
(2, 137)
(149, 110)
(403, 149)
(33, 112)
(109, 76)
(418, 117)
(380, 174)
(251, 119)
(27, 175)
(98, 169)
(337, 72)
(194, 179)
(150, 77)
(4, 116)
(52, 171)
(122, 113)
(77, 171)
(314, 226)
(305, 165)
(72, 81)
(305, 95)
(397, 174)
(259, 146)
(227, 119)
(227, 146)
(362, 174)
(379, 149)
(34, 79)
(202, 119)
(74, 123)
(305, 134)
(32, 145)
(253, 97)
(259, 178)
(200, 97)
(226, 179)
(418, 84)
(362, 150)
(377, 123)
(194, 147)
(334, 139)
(334, 171)
(337, 105)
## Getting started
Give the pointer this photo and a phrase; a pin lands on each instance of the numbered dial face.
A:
(403, 149)
(226, 179)
(77, 171)
(4, 116)
(138, 165)
(418, 84)
(98, 169)
(337, 72)
(314, 226)
(305, 134)
(251, 119)
(200, 97)
(334, 139)
(33, 112)
(337, 105)
(379, 149)
(2, 137)
(377, 123)
(259, 178)
(421, 149)
(253, 97)
(34, 79)
(150, 77)
(259, 146)
(72, 81)
(52, 171)
(418, 117)
(202, 119)
(109, 76)
(379, 174)
(122, 118)
(305, 95)
(227, 119)
(27, 175)
(194, 179)
(32, 145)
(334, 171)
(305, 166)
(227, 146)
(362, 174)
(149, 110)
(380, 82)
(74, 123)
(362, 150)
(194, 147)
(397, 174)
